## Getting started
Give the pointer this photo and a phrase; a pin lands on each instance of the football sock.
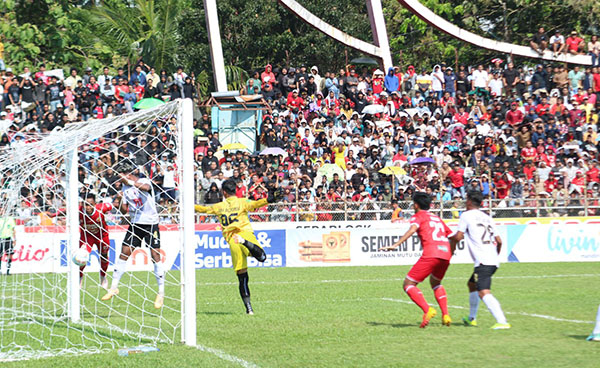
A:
(8, 262)
(440, 296)
(159, 273)
(118, 272)
(244, 290)
(417, 296)
(103, 264)
(256, 251)
(597, 328)
(494, 306)
(473, 304)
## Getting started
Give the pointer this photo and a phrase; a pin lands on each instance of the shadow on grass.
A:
(215, 313)
(394, 325)
(578, 337)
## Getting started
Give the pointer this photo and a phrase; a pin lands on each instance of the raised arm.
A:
(204, 209)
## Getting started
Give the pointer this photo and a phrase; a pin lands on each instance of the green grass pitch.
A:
(360, 317)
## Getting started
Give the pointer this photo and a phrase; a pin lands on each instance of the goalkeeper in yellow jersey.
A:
(237, 231)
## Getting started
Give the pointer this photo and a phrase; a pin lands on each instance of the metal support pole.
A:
(214, 41)
(380, 37)
(188, 247)
(72, 198)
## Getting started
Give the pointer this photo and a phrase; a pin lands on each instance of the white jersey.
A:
(479, 232)
(141, 204)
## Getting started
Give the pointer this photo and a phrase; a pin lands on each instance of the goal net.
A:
(57, 193)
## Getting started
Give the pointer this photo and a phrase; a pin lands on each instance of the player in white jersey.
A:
(137, 198)
(479, 232)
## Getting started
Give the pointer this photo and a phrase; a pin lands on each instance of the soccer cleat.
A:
(469, 322)
(593, 337)
(501, 326)
(446, 320)
(110, 294)
(249, 309)
(159, 301)
(427, 317)
(104, 282)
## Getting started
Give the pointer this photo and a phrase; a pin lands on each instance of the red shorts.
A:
(424, 267)
(103, 245)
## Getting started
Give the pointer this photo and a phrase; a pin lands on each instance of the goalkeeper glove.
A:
(275, 195)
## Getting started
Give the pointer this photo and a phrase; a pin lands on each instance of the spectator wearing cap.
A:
(450, 82)
(575, 44)
(557, 43)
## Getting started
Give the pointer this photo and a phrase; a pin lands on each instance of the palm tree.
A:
(147, 29)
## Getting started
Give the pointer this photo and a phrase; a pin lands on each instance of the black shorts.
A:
(6, 246)
(148, 233)
(482, 277)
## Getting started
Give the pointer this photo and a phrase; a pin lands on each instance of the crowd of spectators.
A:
(522, 135)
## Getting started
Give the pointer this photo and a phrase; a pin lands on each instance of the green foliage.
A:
(147, 30)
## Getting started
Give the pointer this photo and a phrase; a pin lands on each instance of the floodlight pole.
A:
(214, 41)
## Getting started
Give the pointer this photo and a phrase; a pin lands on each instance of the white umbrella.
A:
(373, 109)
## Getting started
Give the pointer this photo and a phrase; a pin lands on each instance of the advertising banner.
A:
(359, 247)
(551, 243)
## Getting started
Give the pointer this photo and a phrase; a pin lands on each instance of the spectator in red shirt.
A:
(551, 183)
(457, 177)
(267, 77)
(529, 153)
(529, 170)
(293, 100)
(592, 173)
(502, 186)
(575, 45)
(514, 116)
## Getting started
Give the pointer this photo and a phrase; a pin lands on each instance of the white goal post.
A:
(48, 182)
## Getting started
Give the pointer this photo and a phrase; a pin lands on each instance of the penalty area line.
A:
(543, 316)
(225, 356)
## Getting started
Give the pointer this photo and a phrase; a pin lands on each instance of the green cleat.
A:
(594, 337)
(469, 322)
(501, 326)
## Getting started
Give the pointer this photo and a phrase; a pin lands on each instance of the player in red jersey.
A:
(434, 261)
(94, 231)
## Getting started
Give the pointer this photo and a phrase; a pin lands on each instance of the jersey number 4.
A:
(438, 233)
(228, 220)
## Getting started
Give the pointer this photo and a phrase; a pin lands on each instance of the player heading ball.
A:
(434, 261)
(237, 231)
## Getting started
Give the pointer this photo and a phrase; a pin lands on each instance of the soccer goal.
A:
(70, 189)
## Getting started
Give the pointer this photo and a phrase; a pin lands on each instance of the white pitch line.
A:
(391, 279)
(551, 318)
(223, 355)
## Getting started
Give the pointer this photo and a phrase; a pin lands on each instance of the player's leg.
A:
(152, 238)
(416, 275)
(2, 252)
(130, 241)
(9, 255)
(595, 336)
(471, 320)
(104, 248)
(438, 289)
(83, 243)
(239, 261)
(248, 240)
(483, 281)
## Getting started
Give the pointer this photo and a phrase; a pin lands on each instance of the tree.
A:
(146, 30)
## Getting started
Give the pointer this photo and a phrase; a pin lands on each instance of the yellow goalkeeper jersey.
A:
(233, 213)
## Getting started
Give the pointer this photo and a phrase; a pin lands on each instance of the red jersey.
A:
(94, 224)
(592, 175)
(433, 233)
(457, 178)
(529, 153)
